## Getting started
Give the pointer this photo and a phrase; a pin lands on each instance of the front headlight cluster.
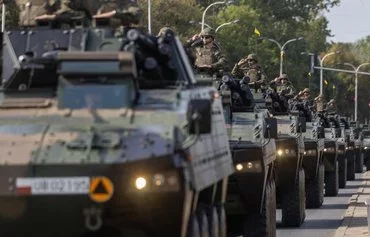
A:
(286, 152)
(311, 152)
(329, 150)
(350, 148)
(249, 167)
(167, 181)
(367, 148)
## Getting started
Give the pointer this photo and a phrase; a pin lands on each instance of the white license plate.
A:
(53, 186)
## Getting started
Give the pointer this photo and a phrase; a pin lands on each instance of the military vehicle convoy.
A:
(355, 137)
(290, 175)
(108, 136)
(251, 199)
(313, 163)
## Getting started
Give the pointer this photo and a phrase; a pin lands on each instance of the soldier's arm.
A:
(236, 72)
(221, 60)
(65, 7)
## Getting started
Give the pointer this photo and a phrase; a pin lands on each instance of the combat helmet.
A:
(306, 90)
(252, 56)
(332, 101)
(162, 31)
(207, 32)
(284, 76)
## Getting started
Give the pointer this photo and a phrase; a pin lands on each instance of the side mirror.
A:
(199, 116)
(301, 127)
(271, 130)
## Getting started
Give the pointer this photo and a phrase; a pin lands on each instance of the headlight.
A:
(349, 148)
(140, 183)
(286, 152)
(329, 150)
(366, 148)
(311, 152)
(249, 167)
(166, 181)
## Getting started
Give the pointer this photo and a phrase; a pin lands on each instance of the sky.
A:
(349, 21)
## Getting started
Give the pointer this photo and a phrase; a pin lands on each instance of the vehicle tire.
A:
(213, 221)
(203, 223)
(222, 220)
(293, 203)
(263, 224)
(332, 182)
(315, 189)
(343, 174)
(359, 160)
(351, 168)
(193, 229)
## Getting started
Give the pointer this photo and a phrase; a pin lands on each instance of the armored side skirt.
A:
(311, 159)
(71, 201)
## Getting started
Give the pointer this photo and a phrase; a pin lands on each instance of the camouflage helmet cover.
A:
(252, 56)
(207, 32)
(284, 76)
(332, 101)
(163, 30)
(306, 90)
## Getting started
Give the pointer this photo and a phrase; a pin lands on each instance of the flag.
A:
(333, 86)
(257, 32)
(326, 82)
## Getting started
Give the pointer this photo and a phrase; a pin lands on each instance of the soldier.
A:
(303, 95)
(284, 86)
(249, 67)
(63, 10)
(319, 103)
(207, 55)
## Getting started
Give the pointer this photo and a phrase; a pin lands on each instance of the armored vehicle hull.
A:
(331, 167)
(108, 150)
(351, 160)
(290, 175)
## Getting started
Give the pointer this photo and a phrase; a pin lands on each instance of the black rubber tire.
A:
(351, 168)
(332, 182)
(293, 203)
(315, 189)
(213, 221)
(263, 224)
(203, 223)
(193, 229)
(222, 220)
(359, 161)
(343, 174)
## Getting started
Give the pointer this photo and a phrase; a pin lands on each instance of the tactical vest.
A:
(30, 9)
(205, 56)
(254, 74)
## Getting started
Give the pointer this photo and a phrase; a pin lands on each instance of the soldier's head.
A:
(252, 59)
(284, 79)
(207, 35)
(162, 31)
(331, 103)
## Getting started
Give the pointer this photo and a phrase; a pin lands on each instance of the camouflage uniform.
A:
(285, 89)
(319, 103)
(330, 106)
(253, 70)
(126, 13)
(209, 54)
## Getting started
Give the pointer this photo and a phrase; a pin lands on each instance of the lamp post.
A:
(356, 83)
(321, 70)
(282, 47)
(215, 3)
(3, 18)
(227, 23)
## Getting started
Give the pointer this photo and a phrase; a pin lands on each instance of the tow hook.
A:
(93, 219)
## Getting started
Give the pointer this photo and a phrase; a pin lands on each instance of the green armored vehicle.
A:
(290, 175)
(108, 136)
(356, 139)
(365, 150)
(251, 199)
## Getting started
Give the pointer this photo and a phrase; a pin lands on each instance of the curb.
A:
(347, 218)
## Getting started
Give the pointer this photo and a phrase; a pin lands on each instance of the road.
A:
(324, 221)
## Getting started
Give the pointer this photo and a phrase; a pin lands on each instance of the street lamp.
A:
(282, 49)
(356, 83)
(149, 17)
(321, 70)
(215, 3)
(227, 23)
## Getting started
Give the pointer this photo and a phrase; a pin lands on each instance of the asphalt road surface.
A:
(323, 222)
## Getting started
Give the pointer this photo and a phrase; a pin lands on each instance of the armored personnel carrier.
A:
(365, 150)
(350, 148)
(313, 163)
(108, 136)
(251, 199)
(290, 175)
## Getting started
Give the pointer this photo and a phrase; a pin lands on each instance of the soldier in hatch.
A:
(249, 67)
(303, 95)
(207, 55)
(283, 86)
